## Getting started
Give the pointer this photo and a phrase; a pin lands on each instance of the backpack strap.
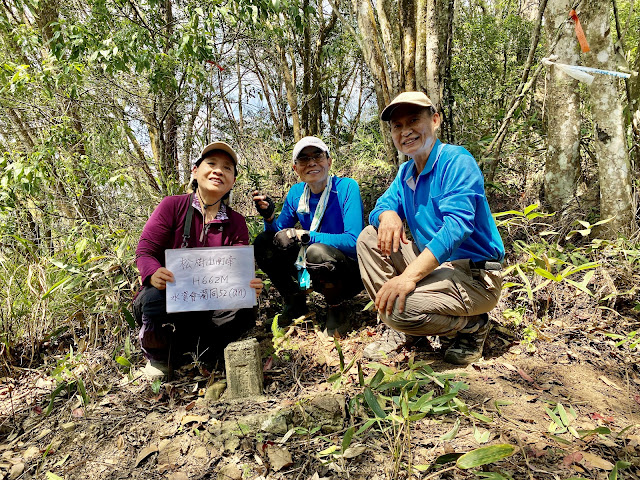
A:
(187, 223)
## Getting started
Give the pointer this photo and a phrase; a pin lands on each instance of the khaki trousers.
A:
(442, 303)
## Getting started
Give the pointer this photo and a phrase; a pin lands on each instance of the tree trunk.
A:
(306, 69)
(610, 141)
(389, 39)
(142, 159)
(168, 124)
(240, 100)
(290, 87)
(22, 130)
(433, 81)
(422, 28)
(370, 45)
(634, 106)
(88, 206)
(562, 166)
(408, 34)
(373, 56)
(188, 154)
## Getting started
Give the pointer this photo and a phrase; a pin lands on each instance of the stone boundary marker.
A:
(243, 369)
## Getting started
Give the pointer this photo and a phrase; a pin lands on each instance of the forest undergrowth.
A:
(555, 397)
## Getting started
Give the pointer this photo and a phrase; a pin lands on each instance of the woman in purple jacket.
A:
(168, 339)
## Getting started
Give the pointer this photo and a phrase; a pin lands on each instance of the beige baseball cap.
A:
(309, 142)
(406, 98)
(225, 147)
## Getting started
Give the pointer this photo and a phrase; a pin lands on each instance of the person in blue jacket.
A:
(445, 281)
(320, 253)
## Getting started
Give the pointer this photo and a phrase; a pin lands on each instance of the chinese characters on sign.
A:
(215, 278)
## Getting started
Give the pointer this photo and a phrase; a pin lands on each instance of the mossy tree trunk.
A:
(562, 165)
(609, 136)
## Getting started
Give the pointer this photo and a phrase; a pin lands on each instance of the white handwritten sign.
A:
(211, 278)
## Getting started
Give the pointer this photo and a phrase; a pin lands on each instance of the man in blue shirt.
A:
(448, 278)
(322, 253)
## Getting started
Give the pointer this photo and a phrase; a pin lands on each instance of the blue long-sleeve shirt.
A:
(341, 223)
(445, 206)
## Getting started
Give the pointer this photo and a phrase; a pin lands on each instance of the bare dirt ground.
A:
(130, 431)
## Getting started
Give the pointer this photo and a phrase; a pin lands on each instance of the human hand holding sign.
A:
(160, 278)
(390, 232)
(256, 284)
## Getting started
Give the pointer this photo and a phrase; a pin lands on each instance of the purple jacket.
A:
(165, 227)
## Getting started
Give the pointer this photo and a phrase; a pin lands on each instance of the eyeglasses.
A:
(316, 157)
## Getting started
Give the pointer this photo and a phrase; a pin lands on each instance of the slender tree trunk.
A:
(154, 135)
(87, 202)
(433, 81)
(389, 40)
(370, 45)
(268, 94)
(21, 129)
(408, 32)
(610, 140)
(290, 88)
(188, 155)
(142, 159)
(634, 107)
(239, 74)
(306, 69)
(422, 27)
(373, 56)
(562, 166)
(169, 123)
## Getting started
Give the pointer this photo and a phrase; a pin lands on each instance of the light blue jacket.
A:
(341, 223)
(445, 207)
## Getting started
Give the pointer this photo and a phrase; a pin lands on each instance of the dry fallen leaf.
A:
(268, 364)
(354, 451)
(598, 416)
(535, 452)
(574, 457)
(144, 453)
(230, 471)
(610, 383)
(178, 476)
(525, 375)
(596, 461)
(279, 458)
(194, 418)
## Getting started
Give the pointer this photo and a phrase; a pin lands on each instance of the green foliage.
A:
(631, 340)
(397, 398)
(68, 374)
(485, 455)
(491, 46)
(562, 419)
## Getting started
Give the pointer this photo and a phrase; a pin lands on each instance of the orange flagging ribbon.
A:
(584, 45)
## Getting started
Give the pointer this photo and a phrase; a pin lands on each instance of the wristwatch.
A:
(305, 238)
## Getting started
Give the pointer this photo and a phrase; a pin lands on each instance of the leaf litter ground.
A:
(132, 430)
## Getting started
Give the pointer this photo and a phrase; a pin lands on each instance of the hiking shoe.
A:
(154, 370)
(444, 341)
(391, 341)
(294, 307)
(338, 321)
(469, 342)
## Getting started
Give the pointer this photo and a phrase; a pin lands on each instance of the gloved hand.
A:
(285, 238)
(259, 199)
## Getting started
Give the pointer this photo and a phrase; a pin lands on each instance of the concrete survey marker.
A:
(244, 369)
